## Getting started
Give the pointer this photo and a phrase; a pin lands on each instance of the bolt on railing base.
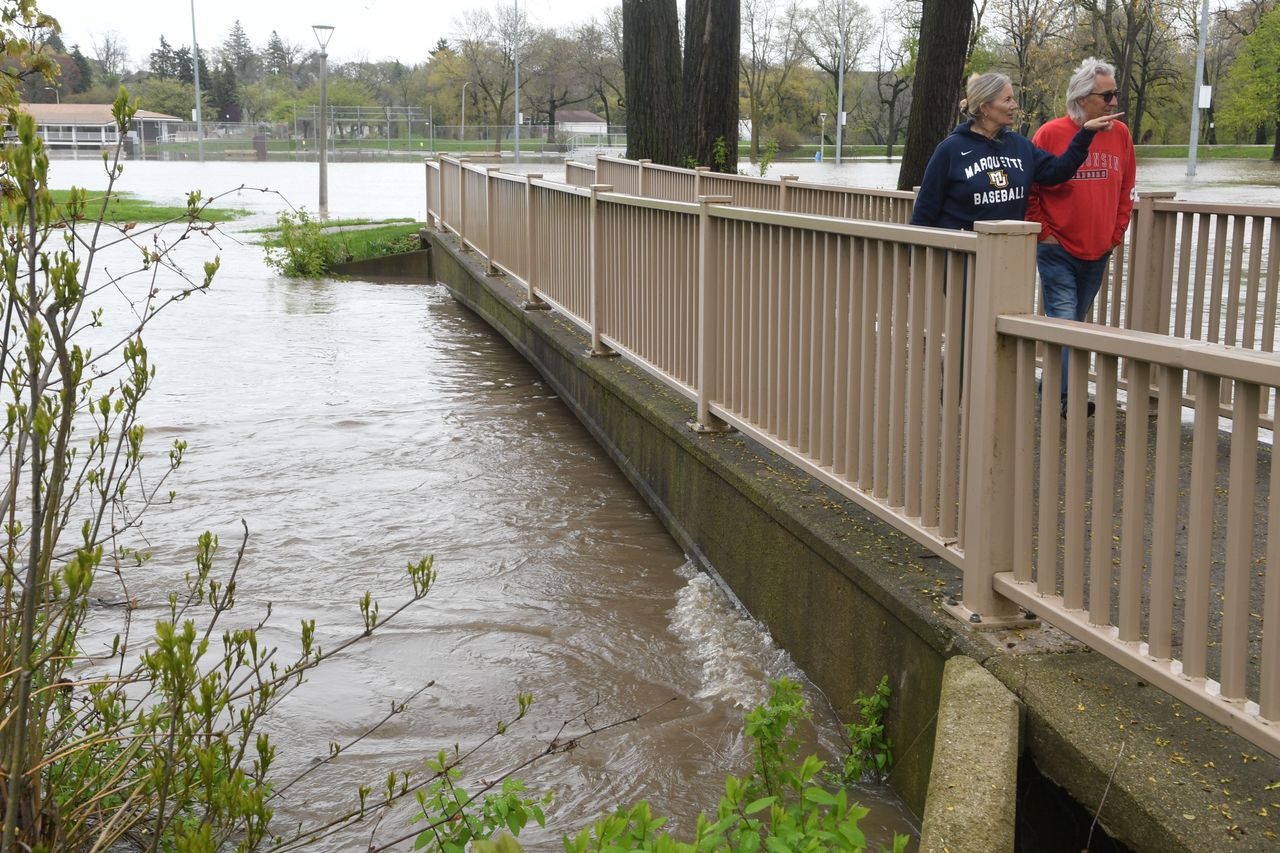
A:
(956, 608)
(535, 305)
(603, 352)
(714, 426)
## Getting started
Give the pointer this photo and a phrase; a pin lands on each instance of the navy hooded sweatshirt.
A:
(971, 177)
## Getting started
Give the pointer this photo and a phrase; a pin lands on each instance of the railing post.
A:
(597, 271)
(426, 166)
(1002, 284)
(531, 300)
(462, 205)
(1145, 274)
(784, 184)
(490, 215)
(698, 172)
(710, 286)
(642, 178)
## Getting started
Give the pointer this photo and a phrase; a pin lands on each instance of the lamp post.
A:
(840, 90)
(324, 32)
(462, 134)
(1196, 90)
(57, 99)
(195, 67)
(516, 53)
(822, 138)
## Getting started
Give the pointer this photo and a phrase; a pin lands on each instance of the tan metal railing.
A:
(1161, 567)
(643, 178)
(579, 174)
(898, 365)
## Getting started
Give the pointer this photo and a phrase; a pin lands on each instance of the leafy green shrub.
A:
(301, 250)
(870, 751)
(782, 805)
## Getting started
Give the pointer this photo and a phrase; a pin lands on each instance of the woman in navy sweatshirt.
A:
(983, 170)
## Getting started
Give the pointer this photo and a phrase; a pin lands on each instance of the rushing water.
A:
(357, 426)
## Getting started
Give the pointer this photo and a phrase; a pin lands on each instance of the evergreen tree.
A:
(275, 59)
(224, 92)
(238, 52)
(185, 72)
(163, 61)
(86, 70)
(53, 41)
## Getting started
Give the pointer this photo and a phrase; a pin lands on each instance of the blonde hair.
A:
(982, 89)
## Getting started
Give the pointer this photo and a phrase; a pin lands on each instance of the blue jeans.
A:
(1068, 286)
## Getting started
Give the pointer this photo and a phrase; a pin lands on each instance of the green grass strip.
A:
(125, 207)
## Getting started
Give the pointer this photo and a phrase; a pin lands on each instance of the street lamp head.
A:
(822, 116)
(323, 32)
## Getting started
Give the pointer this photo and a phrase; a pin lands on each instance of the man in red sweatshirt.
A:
(1086, 217)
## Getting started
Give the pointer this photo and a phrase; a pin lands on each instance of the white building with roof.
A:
(92, 125)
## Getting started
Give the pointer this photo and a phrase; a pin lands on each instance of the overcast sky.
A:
(363, 29)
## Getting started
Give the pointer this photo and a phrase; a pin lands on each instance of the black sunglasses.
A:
(1113, 95)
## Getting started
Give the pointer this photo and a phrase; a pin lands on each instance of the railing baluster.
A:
(1269, 695)
(1204, 446)
(1165, 514)
(1023, 460)
(1050, 475)
(1101, 570)
(1242, 491)
(1073, 528)
(929, 283)
(1134, 502)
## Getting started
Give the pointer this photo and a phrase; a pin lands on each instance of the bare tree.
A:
(1116, 26)
(597, 57)
(1037, 35)
(822, 39)
(550, 76)
(487, 44)
(895, 68)
(111, 53)
(773, 49)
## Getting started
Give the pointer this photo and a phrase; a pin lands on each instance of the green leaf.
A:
(821, 796)
(760, 805)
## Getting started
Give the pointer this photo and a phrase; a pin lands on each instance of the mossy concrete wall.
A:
(853, 600)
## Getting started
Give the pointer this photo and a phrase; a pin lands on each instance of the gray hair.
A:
(1081, 84)
(983, 89)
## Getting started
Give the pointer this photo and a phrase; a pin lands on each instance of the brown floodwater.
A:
(356, 427)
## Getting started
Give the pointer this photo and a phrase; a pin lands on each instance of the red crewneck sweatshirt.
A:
(1088, 214)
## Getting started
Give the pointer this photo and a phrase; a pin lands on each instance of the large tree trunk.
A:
(937, 88)
(711, 63)
(651, 68)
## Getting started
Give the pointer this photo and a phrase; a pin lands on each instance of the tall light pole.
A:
(195, 67)
(1195, 90)
(462, 134)
(516, 52)
(822, 137)
(324, 32)
(57, 99)
(840, 90)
